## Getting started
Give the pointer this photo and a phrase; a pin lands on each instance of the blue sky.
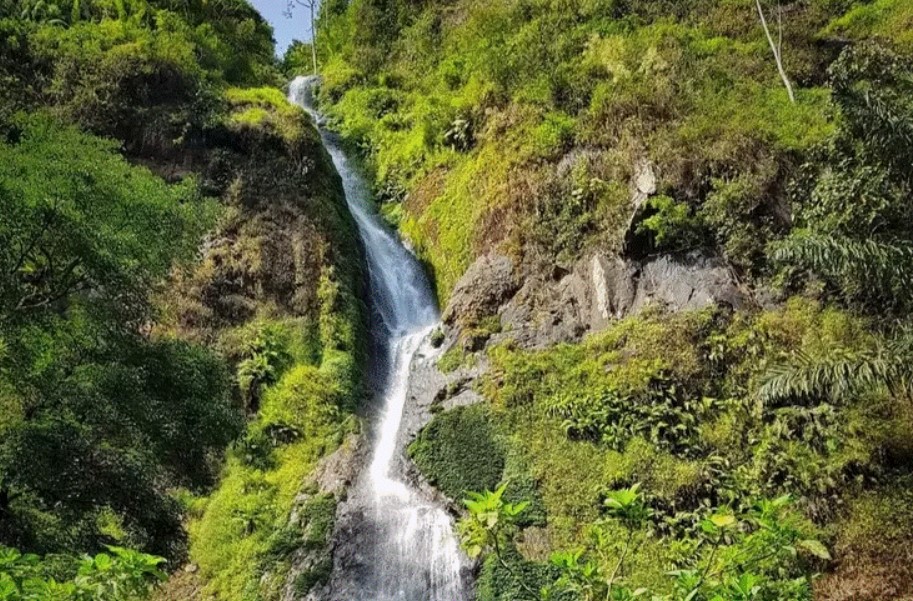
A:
(286, 29)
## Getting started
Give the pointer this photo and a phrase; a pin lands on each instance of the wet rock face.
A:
(359, 531)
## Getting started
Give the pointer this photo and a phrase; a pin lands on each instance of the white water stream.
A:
(407, 547)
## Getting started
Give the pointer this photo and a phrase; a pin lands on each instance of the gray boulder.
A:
(488, 284)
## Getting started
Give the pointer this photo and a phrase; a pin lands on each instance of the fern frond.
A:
(836, 376)
(866, 267)
(842, 373)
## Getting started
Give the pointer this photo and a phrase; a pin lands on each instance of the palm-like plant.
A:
(887, 364)
(42, 11)
(867, 269)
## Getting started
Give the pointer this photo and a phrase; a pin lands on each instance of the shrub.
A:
(670, 225)
(459, 452)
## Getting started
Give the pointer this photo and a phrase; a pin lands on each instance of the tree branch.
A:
(775, 48)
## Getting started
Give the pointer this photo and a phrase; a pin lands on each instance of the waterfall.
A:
(406, 547)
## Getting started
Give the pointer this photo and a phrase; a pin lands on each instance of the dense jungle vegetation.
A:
(182, 335)
(759, 453)
(179, 329)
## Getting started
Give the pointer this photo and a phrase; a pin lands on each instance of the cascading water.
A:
(406, 549)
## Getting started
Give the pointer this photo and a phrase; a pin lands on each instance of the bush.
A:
(268, 110)
(459, 452)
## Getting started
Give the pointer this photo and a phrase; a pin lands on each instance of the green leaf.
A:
(103, 561)
(709, 527)
(723, 520)
(815, 547)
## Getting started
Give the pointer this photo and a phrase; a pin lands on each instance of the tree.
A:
(78, 221)
(98, 419)
(311, 6)
(776, 47)
(298, 59)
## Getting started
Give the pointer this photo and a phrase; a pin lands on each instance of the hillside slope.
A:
(659, 271)
(180, 329)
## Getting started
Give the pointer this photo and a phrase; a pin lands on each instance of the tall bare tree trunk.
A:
(776, 48)
(313, 37)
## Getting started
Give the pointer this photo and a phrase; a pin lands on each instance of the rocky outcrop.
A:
(618, 288)
(644, 184)
(328, 485)
(541, 305)
(487, 284)
(554, 306)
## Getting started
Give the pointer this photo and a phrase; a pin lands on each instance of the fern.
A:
(889, 365)
(867, 268)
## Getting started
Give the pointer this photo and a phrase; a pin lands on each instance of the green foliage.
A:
(670, 224)
(302, 421)
(146, 72)
(490, 521)
(879, 272)
(876, 524)
(119, 575)
(842, 373)
(105, 420)
(106, 410)
(488, 529)
(99, 74)
(586, 578)
(459, 452)
(297, 59)
(627, 506)
(661, 415)
(454, 359)
(749, 557)
(852, 201)
(267, 109)
(883, 19)
(731, 452)
(478, 118)
(264, 358)
(82, 219)
(304, 413)
(513, 579)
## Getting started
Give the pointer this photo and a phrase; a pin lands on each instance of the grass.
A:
(267, 109)
(890, 20)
